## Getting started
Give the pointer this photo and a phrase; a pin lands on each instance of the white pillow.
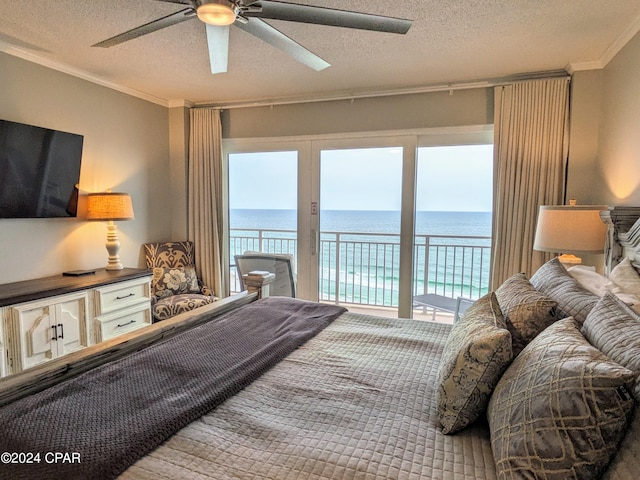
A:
(600, 285)
(593, 281)
(626, 277)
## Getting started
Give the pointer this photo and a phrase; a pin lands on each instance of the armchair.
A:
(175, 286)
(278, 264)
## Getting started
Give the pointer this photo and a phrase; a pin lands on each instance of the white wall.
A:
(586, 108)
(126, 148)
(399, 112)
(618, 163)
(604, 160)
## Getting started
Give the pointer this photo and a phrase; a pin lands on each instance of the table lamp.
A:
(570, 229)
(110, 206)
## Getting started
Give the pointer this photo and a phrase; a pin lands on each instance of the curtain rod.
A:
(451, 87)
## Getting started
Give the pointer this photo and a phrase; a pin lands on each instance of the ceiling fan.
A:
(247, 15)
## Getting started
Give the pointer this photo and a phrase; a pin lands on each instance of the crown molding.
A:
(624, 38)
(180, 102)
(619, 43)
(580, 66)
(76, 72)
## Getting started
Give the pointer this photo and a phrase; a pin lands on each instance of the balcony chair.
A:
(175, 286)
(435, 302)
(279, 264)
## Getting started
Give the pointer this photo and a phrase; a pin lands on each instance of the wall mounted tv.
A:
(39, 171)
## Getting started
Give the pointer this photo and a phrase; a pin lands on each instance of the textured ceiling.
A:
(450, 41)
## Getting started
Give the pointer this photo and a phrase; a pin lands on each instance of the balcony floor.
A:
(425, 314)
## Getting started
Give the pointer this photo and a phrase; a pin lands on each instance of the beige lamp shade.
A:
(570, 229)
(111, 206)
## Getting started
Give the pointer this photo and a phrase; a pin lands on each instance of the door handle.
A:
(61, 330)
(314, 241)
(55, 332)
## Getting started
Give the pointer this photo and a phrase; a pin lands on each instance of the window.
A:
(454, 196)
(360, 213)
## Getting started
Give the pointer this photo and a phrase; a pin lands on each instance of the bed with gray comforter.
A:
(351, 396)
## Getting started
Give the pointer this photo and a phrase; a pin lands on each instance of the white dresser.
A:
(47, 318)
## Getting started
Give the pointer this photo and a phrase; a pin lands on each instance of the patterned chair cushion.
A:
(169, 254)
(476, 353)
(614, 329)
(174, 281)
(555, 282)
(560, 409)
(526, 311)
(175, 304)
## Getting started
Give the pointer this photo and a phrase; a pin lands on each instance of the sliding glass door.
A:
(359, 255)
(454, 195)
(363, 216)
(263, 205)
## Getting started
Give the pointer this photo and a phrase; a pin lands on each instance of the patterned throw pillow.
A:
(560, 409)
(174, 281)
(555, 282)
(526, 311)
(614, 329)
(476, 353)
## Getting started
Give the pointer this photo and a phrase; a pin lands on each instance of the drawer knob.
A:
(126, 296)
(125, 324)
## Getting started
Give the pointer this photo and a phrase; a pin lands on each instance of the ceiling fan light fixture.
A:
(217, 12)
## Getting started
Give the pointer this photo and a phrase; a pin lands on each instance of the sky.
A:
(448, 179)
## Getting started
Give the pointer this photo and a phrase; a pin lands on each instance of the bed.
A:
(347, 395)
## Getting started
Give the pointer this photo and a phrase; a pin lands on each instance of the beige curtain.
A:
(205, 227)
(530, 152)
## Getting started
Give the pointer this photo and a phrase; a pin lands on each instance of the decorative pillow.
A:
(600, 285)
(526, 311)
(560, 409)
(174, 281)
(626, 277)
(591, 280)
(614, 329)
(554, 281)
(476, 353)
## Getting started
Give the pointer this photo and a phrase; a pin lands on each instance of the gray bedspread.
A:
(112, 415)
(356, 402)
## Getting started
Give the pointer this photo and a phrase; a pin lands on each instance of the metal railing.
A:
(364, 268)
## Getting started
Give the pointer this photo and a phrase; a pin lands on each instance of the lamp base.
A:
(569, 260)
(113, 247)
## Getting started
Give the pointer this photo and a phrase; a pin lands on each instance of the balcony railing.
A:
(364, 268)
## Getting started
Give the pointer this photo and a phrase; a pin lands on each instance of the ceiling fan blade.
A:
(328, 16)
(181, 2)
(218, 43)
(276, 38)
(174, 18)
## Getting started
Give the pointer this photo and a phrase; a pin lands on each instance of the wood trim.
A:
(47, 374)
(29, 290)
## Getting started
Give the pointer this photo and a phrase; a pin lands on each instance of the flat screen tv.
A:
(39, 171)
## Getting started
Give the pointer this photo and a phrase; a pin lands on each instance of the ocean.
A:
(360, 251)
(367, 221)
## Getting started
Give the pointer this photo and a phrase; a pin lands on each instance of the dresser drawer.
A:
(121, 295)
(110, 326)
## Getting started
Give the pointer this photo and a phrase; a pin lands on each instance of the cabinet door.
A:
(71, 325)
(49, 328)
(37, 335)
